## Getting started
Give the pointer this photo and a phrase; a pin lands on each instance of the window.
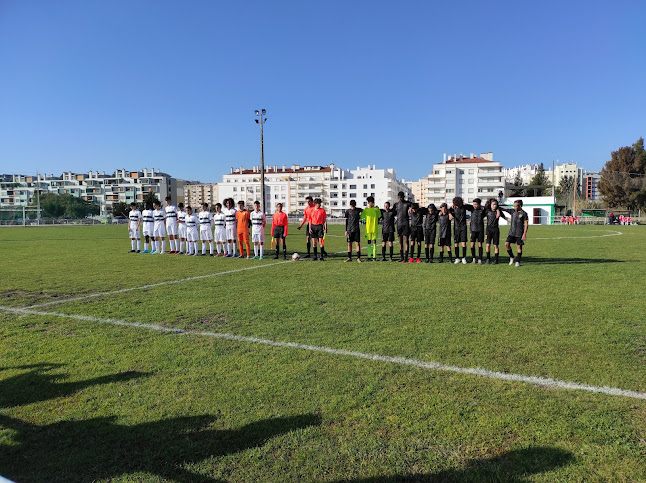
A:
(334, 195)
(460, 171)
(437, 171)
(365, 186)
(334, 186)
(343, 186)
(335, 203)
(470, 171)
(275, 197)
(372, 186)
(353, 195)
(471, 181)
(450, 190)
(372, 194)
(450, 171)
(365, 203)
(235, 189)
(365, 195)
(353, 186)
(470, 190)
(343, 203)
(344, 194)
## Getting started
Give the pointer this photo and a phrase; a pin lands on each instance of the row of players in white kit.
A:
(181, 226)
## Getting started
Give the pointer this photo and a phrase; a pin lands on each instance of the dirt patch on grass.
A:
(15, 295)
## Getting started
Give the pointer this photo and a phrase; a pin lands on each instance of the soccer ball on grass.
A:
(296, 256)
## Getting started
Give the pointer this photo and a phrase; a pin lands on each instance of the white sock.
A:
(132, 244)
(218, 247)
(255, 250)
(203, 247)
(262, 250)
(182, 244)
(233, 248)
(211, 247)
(145, 246)
(138, 244)
(163, 246)
(156, 245)
(173, 245)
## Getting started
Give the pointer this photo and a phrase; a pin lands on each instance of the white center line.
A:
(435, 366)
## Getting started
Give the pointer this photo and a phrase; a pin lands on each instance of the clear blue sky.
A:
(100, 85)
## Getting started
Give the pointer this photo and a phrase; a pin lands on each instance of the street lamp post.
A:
(261, 120)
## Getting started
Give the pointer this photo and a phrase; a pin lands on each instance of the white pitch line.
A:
(611, 233)
(151, 285)
(434, 366)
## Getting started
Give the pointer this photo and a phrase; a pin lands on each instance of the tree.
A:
(539, 183)
(65, 206)
(623, 178)
(120, 208)
(518, 181)
(149, 199)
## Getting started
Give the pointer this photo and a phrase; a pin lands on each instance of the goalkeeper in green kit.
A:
(371, 215)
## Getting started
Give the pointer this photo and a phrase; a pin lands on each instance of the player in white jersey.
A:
(171, 226)
(133, 228)
(219, 231)
(206, 235)
(191, 232)
(149, 227)
(258, 222)
(159, 230)
(231, 227)
(181, 227)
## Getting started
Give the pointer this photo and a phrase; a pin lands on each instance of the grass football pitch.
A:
(133, 367)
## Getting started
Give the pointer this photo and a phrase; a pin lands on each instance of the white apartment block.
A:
(468, 177)
(290, 186)
(18, 190)
(526, 172)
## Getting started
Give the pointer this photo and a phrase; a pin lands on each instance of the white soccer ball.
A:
(296, 256)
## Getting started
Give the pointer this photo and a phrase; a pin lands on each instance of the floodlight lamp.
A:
(256, 121)
(264, 112)
(256, 111)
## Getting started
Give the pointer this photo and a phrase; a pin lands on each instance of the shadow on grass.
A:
(564, 261)
(101, 448)
(37, 385)
(513, 466)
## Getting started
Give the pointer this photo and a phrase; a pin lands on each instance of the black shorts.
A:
(388, 237)
(279, 232)
(416, 234)
(429, 237)
(518, 240)
(317, 231)
(354, 236)
(493, 237)
(460, 234)
(477, 236)
(307, 229)
(445, 242)
(403, 230)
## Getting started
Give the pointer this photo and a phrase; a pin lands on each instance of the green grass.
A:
(84, 401)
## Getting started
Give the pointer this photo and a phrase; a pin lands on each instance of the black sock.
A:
(277, 250)
(391, 252)
(450, 256)
(441, 255)
(426, 252)
(401, 253)
(349, 254)
(511, 253)
(406, 254)
(520, 254)
(358, 253)
(480, 253)
(473, 252)
(284, 248)
(309, 247)
(488, 255)
(432, 250)
(419, 249)
(383, 251)
(316, 249)
(457, 251)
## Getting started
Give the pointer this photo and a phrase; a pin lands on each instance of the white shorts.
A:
(148, 229)
(191, 234)
(205, 233)
(171, 228)
(258, 237)
(160, 231)
(220, 234)
(231, 233)
(181, 230)
(134, 233)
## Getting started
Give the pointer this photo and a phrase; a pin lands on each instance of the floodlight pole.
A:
(261, 120)
(38, 198)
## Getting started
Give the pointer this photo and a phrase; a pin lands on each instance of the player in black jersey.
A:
(444, 219)
(401, 208)
(493, 214)
(517, 231)
(459, 213)
(476, 226)
(352, 231)
(416, 217)
(430, 227)
(387, 230)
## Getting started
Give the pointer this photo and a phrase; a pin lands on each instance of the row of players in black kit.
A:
(416, 225)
